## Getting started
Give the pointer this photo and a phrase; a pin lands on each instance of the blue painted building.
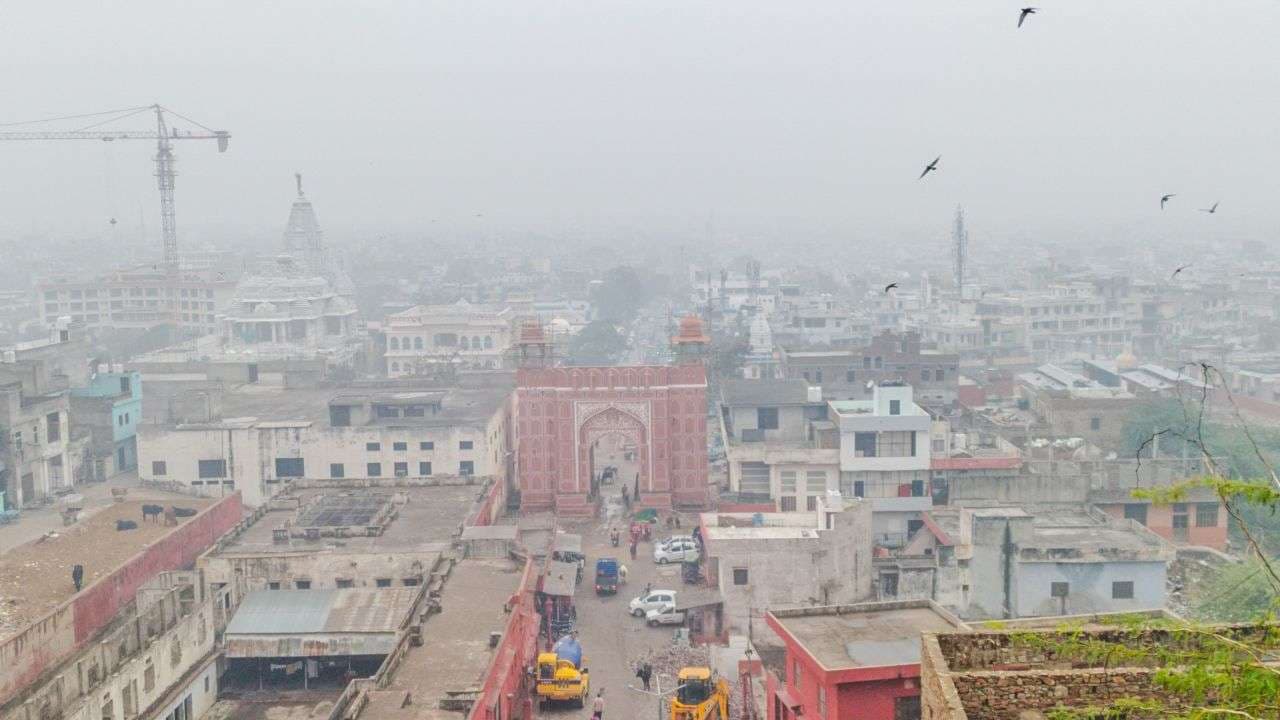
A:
(107, 411)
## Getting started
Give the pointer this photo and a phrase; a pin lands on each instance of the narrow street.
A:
(613, 641)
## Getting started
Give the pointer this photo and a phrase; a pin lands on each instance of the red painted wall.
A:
(972, 395)
(873, 699)
(71, 625)
(95, 606)
(503, 689)
(552, 463)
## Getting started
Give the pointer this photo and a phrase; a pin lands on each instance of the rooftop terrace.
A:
(406, 518)
(36, 577)
(843, 637)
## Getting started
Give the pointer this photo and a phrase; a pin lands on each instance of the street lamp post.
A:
(658, 692)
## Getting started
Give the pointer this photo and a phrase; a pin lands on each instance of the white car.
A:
(654, 600)
(665, 615)
(676, 550)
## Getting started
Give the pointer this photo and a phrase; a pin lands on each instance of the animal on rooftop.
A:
(152, 511)
(122, 525)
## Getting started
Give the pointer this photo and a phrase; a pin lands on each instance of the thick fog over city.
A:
(658, 361)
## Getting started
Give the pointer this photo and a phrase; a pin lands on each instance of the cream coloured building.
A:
(466, 334)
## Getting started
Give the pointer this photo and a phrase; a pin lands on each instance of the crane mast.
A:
(165, 176)
(164, 135)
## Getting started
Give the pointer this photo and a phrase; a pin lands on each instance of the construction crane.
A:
(165, 134)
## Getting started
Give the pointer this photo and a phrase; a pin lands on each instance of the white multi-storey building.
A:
(885, 454)
(465, 334)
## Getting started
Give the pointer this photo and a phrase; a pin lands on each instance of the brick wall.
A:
(996, 676)
(1002, 695)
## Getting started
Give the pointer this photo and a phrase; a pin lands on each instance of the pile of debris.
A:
(668, 661)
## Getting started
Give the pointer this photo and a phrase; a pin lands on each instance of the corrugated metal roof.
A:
(344, 610)
(275, 612)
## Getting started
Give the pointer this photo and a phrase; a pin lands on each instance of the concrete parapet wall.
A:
(26, 656)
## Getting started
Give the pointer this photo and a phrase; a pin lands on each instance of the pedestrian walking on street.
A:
(77, 576)
(597, 708)
(633, 549)
(645, 673)
(622, 574)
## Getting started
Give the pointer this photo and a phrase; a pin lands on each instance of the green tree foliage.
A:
(1238, 452)
(599, 343)
(620, 295)
(1237, 593)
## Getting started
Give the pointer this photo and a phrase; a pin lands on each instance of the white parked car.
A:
(665, 615)
(654, 600)
(676, 550)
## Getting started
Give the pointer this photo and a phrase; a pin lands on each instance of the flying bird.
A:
(1210, 210)
(1165, 198)
(1180, 269)
(892, 285)
(930, 167)
(1025, 12)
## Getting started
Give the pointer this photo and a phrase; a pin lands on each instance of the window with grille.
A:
(1206, 514)
(766, 418)
(740, 576)
(374, 469)
(788, 503)
(336, 470)
(1122, 590)
(1136, 512)
(158, 468)
(289, 468)
(212, 468)
(400, 446)
(896, 444)
(788, 481)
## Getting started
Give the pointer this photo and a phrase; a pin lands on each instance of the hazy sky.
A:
(765, 115)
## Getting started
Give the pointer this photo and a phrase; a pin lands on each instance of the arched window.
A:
(488, 342)
(466, 345)
(395, 343)
(476, 343)
(395, 367)
(417, 343)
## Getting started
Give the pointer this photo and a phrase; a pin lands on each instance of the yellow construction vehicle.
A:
(562, 676)
(699, 696)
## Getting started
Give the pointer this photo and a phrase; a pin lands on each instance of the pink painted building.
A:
(852, 661)
(561, 415)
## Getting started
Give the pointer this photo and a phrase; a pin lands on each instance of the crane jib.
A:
(164, 134)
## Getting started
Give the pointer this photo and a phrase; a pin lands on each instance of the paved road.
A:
(613, 641)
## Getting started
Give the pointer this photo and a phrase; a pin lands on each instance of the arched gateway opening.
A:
(570, 424)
